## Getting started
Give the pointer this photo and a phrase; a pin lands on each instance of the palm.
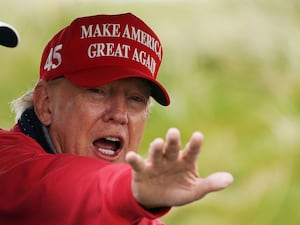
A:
(169, 176)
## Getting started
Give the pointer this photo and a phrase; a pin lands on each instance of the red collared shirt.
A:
(63, 189)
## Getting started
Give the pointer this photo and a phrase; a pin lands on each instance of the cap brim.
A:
(8, 35)
(103, 75)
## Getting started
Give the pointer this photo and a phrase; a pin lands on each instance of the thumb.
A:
(217, 181)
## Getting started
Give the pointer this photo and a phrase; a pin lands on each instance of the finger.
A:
(156, 151)
(173, 144)
(135, 161)
(214, 182)
(217, 181)
(192, 149)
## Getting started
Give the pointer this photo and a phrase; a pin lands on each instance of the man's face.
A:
(104, 122)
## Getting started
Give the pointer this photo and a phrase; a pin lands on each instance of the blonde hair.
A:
(19, 105)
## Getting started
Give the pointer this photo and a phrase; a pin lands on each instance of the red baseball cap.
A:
(96, 50)
(8, 35)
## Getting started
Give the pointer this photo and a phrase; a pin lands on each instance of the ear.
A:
(41, 102)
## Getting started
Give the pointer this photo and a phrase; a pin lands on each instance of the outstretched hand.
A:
(169, 177)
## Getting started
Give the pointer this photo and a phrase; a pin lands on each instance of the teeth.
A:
(109, 151)
(106, 151)
(112, 139)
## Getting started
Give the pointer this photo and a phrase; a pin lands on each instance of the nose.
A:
(116, 110)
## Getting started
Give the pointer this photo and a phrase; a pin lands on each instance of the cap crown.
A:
(94, 50)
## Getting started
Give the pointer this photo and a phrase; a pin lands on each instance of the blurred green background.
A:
(232, 69)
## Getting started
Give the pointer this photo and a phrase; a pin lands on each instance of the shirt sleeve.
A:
(42, 188)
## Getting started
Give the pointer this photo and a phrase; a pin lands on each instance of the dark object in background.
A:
(8, 35)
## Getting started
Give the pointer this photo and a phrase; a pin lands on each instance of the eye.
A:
(138, 99)
(95, 94)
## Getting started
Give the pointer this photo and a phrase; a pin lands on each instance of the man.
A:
(72, 156)
(8, 35)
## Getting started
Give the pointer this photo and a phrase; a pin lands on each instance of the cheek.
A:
(137, 126)
(72, 125)
(63, 113)
(72, 117)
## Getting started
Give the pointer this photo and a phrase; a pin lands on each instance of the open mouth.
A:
(108, 146)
